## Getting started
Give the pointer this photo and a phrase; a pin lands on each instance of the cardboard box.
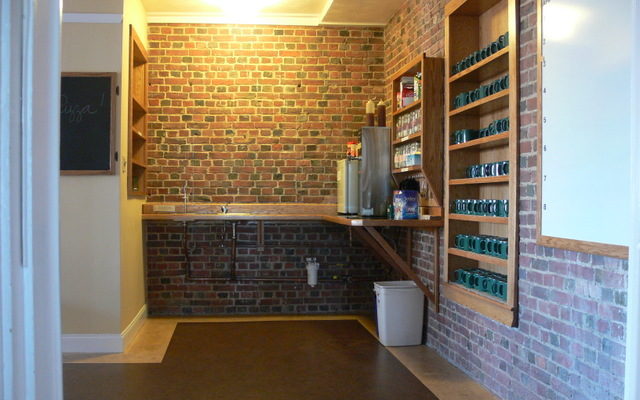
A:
(405, 204)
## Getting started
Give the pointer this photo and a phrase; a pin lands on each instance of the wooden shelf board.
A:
(137, 104)
(497, 300)
(408, 138)
(138, 135)
(468, 8)
(478, 257)
(138, 164)
(479, 218)
(487, 142)
(413, 168)
(407, 223)
(410, 107)
(489, 67)
(487, 105)
(480, 181)
(410, 69)
(491, 307)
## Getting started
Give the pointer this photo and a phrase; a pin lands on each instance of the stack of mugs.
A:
(493, 246)
(494, 128)
(479, 55)
(483, 91)
(499, 168)
(484, 281)
(482, 207)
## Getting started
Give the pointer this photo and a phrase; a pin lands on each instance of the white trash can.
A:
(400, 311)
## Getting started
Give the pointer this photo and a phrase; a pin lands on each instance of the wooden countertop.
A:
(269, 212)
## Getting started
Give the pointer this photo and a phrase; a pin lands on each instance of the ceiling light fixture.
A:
(242, 11)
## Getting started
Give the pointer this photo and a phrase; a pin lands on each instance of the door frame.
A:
(30, 351)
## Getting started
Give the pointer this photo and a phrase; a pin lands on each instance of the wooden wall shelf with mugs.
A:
(137, 143)
(426, 135)
(481, 47)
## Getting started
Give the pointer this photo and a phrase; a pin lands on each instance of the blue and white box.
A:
(406, 204)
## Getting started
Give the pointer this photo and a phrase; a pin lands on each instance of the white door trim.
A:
(29, 175)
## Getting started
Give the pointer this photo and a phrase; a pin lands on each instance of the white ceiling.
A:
(274, 12)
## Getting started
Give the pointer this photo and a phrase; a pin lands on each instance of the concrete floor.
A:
(442, 378)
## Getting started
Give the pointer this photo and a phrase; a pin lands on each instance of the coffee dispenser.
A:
(375, 172)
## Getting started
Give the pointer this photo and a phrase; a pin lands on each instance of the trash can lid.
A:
(395, 285)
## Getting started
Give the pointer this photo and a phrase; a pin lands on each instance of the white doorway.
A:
(31, 362)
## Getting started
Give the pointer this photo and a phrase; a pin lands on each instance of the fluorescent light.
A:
(562, 21)
(242, 11)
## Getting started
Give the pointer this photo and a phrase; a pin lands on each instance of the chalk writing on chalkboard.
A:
(87, 107)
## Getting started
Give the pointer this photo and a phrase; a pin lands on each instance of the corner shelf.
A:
(137, 137)
(469, 26)
(429, 135)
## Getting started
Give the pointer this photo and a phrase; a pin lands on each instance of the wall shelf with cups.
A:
(416, 126)
(481, 126)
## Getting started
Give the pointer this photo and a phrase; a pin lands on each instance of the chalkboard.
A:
(87, 123)
(584, 87)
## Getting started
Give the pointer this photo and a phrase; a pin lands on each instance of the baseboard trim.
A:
(92, 343)
(104, 342)
(130, 332)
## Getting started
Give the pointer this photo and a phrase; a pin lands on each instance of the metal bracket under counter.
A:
(364, 228)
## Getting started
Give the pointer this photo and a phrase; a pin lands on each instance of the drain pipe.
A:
(232, 266)
(312, 266)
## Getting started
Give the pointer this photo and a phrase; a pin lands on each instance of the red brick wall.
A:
(169, 292)
(570, 342)
(256, 113)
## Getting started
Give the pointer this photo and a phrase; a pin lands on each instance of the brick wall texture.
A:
(346, 275)
(570, 342)
(256, 113)
(260, 114)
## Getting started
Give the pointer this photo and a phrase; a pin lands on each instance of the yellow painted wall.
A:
(101, 229)
(132, 282)
(89, 205)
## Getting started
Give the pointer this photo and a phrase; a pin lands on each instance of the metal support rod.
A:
(260, 234)
(234, 238)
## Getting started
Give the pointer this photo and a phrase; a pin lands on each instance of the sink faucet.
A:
(185, 192)
(225, 208)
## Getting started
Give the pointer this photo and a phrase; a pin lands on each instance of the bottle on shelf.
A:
(407, 155)
(408, 124)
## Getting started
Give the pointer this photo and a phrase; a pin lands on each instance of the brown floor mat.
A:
(293, 360)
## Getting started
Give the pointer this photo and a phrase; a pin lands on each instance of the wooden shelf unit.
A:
(429, 135)
(137, 136)
(471, 25)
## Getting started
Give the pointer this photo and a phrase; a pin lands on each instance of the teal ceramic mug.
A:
(502, 209)
(458, 275)
(479, 244)
(502, 249)
(499, 289)
(462, 241)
